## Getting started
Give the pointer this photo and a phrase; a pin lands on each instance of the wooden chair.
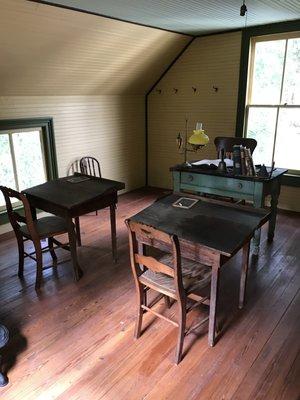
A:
(170, 275)
(227, 143)
(26, 228)
(90, 166)
(74, 167)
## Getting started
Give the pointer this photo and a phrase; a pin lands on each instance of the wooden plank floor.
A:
(75, 340)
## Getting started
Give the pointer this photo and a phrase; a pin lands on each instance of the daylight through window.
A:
(273, 100)
(22, 162)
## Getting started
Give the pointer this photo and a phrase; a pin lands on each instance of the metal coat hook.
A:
(215, 88)
(175, 90)
(194, 89)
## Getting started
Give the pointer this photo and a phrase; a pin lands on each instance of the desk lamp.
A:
(196, 141)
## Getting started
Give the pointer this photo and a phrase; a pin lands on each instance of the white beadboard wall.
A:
(208, 61)
(110, 128)
(87, 72)
(46, 50)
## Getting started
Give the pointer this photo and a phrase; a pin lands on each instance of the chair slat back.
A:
(153, 264)
(74, 167)
(90, 166)
(227, 143)
(15, 218)
(143, 234)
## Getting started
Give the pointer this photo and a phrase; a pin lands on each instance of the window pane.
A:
(6, 167)
(288, 139)
(29, 158)
(261, 126)
(267, 72)
(291, 85)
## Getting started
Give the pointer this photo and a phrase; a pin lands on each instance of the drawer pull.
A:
(240, 185)
(190, 178)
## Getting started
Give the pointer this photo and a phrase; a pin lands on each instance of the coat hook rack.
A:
(194, 89)
(175, 90)
(215, 88)
(158, 91)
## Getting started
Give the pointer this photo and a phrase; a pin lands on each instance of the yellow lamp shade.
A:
(198, 138)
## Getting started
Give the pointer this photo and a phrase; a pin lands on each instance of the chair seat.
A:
(47, 227)
(195, 276)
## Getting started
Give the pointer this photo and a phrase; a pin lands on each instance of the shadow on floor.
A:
(16, 345)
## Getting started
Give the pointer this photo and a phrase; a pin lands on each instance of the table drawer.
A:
(200, 182)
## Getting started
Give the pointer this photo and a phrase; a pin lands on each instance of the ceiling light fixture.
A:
(243, 9)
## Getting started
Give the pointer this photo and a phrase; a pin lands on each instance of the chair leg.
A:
(181, 330)
(138, 323)
(144, 300)
(167, 301)
(21, 256)
(39, 264)
(52, 252)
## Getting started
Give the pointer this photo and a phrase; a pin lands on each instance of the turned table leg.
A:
(275, 191)
(73, 248)
(213, 304)
(113, 231)
(259, 202)
(244, 273)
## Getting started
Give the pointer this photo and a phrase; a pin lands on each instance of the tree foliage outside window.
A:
(22, 162)
(273, 100)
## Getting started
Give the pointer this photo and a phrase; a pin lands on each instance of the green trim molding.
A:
(247, 34)
(46, 123)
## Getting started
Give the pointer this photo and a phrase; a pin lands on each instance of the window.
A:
(273, 100)
(22, 162)
(27, 154)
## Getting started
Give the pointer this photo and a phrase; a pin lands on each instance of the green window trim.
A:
(46, 124)
(247, 33)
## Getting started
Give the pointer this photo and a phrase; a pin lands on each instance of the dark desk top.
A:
(194, 169)
(222, 227)
(69, 195)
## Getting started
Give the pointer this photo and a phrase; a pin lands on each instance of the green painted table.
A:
(255, 189)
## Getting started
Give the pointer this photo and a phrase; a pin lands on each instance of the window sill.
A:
(291, 180)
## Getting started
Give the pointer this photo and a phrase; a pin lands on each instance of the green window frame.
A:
(289, 179)
(48, 143)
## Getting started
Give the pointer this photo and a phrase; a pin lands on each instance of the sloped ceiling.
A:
(191, 16)
(45, 50)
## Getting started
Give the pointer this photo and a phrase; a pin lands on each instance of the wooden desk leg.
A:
(259, 202)
(275, 191)
(213, 304)
(73, 248)
(77, 225)
(113, 231)
(243, 281)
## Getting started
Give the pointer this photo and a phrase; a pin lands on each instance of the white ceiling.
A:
(191, 17)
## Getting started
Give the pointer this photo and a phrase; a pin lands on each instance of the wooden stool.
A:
(4, 338)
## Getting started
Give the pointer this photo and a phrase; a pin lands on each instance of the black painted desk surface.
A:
(69, 195)
(222, 227)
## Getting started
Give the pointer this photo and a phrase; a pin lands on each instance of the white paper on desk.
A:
(228, 162)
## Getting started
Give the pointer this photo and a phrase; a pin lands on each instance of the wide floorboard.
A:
(75, 340)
